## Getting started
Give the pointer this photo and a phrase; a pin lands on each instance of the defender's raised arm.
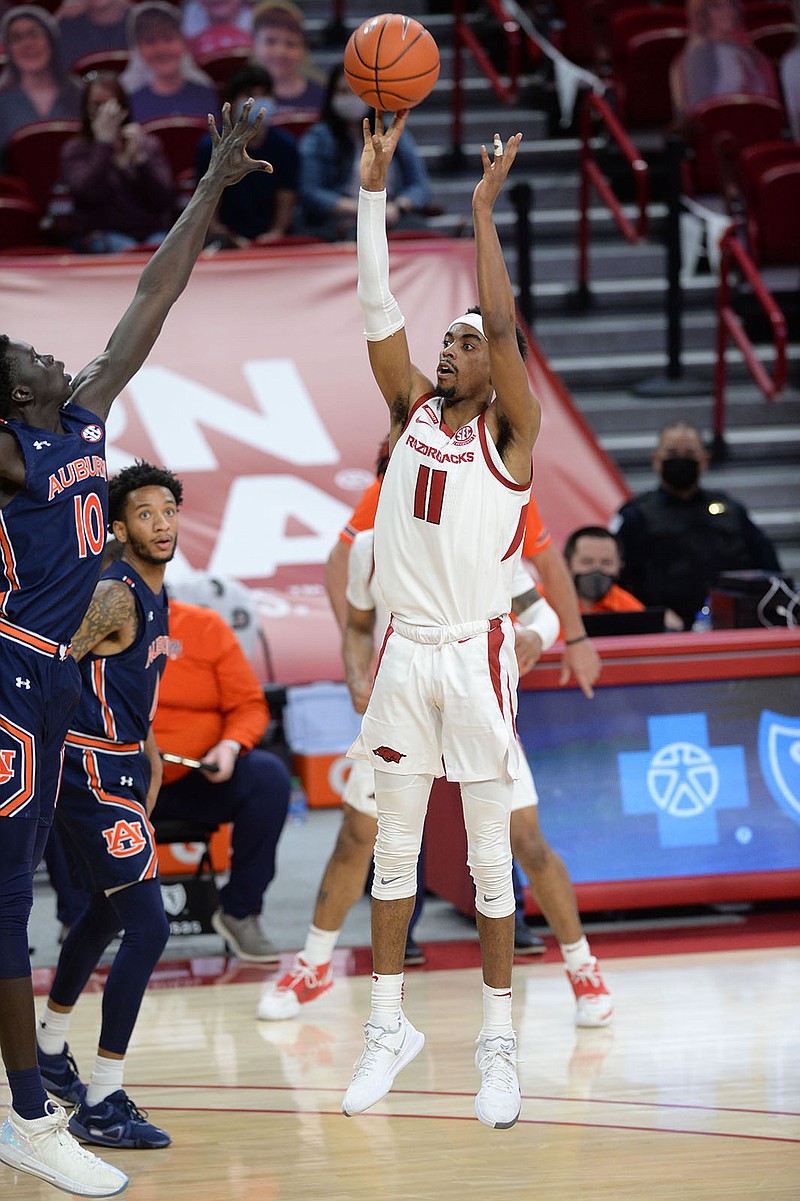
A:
(168, 271)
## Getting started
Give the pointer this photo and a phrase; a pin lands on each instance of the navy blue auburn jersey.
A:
(119, 692)
(52, 533)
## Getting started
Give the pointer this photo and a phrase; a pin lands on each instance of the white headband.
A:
(473, 319)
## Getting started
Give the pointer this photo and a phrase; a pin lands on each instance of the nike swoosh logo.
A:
(391, 880)
(497, 898)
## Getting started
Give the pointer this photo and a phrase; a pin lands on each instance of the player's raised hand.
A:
(230, 161)
(495, 169)
(379, 148)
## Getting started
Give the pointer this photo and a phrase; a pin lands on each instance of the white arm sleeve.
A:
(543, 620)
(382, 316)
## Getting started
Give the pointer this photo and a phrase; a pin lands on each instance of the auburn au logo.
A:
(124, 839)
(6, 766)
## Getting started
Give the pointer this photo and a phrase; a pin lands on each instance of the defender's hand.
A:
(495, 170)
(230, 161)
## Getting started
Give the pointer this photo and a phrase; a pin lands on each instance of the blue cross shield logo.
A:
(779, 757)
(683, 780)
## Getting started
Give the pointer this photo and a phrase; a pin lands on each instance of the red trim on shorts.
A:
(389, 631)
(498, 475)
(494, 643)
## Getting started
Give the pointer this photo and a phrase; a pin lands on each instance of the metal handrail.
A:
(733, 253)
(595, 107)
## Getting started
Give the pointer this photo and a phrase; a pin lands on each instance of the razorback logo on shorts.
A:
(388, 754)
(6, 766)
(124, 839)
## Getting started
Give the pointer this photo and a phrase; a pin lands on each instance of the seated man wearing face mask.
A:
(255, 212)
(677, 538)
(593, 557)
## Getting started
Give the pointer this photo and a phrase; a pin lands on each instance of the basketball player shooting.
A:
(448, 531)
(53, 512)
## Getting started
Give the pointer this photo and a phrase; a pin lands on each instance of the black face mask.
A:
(594, 585)
(680, 472)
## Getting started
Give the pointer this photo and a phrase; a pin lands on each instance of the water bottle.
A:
(298, 804)
(702, 619)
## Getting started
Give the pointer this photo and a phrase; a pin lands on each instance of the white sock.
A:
(51, 1033)
(496, 1012)
(576, 953)
(387, 1000)
(106, 1078)
(319, 946)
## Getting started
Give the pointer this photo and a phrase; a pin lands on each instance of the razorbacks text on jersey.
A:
(450, 522)
(120, 692)
(52, 533)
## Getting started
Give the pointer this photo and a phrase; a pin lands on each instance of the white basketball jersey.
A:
(450, 523)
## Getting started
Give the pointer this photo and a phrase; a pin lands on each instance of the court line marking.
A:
(428, 1117)
(410, 1092)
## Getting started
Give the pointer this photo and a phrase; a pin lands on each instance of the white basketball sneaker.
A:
(594, 1006)
(498, 1101)
(386, 1052)
(45, 1148)
(301, 984)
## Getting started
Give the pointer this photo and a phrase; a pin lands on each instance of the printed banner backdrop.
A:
(259, 394)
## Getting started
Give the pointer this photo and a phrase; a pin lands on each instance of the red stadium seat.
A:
(775, 40)
(773, 219)
(758, 13)
(221, 65)
(720, 128)
(11, 185)
(627, 22)
(19, 223)
(101, 60)
(769, 175)
(642, 79)
(179, 137)
(34, 152)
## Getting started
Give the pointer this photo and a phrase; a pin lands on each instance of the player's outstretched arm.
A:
(516, 402)
(168, 271)
(384, 325)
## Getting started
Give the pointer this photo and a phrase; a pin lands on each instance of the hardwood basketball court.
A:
(692, 1093)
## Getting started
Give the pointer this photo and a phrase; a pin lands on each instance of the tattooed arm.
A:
(110, 623)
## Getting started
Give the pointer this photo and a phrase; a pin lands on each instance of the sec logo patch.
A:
(91, 433)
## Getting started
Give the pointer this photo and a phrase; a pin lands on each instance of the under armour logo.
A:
(150, 615)
(39, 445)
(22, 683)
(126, 781)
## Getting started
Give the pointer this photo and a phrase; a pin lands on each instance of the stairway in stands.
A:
(604, 354)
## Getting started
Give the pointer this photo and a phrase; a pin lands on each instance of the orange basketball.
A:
(391, 62)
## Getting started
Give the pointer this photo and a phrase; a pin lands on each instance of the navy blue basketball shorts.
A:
(101, 813)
